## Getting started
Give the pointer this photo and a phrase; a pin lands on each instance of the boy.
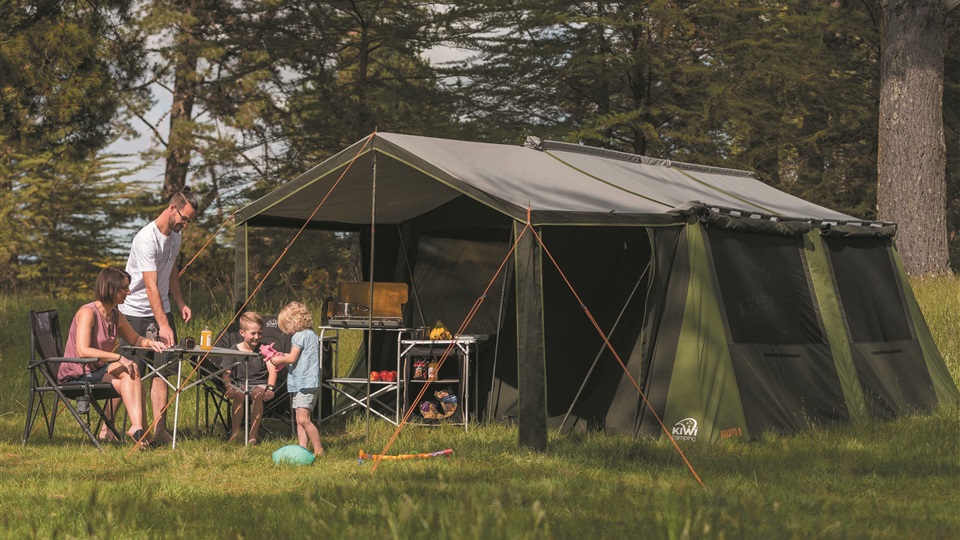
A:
(303, 379)
(263, 377)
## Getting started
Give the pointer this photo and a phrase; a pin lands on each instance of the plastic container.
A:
(206, 339)
(432, 370)
(151, 332)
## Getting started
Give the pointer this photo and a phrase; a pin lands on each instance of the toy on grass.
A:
(448, 452)
(292, 454)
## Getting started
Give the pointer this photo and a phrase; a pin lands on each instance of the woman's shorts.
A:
(95, 376)
(305, 398)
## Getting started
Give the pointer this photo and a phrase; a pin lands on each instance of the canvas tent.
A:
(735, 307)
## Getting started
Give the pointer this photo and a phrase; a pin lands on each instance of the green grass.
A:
(898, 479)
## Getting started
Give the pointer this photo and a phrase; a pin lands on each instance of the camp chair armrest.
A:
(56, 360)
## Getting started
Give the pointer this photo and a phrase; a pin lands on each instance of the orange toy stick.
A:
(448, 452)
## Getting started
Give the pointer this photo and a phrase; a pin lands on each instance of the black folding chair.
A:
(216, 403)
(46, 355)
(277, 408)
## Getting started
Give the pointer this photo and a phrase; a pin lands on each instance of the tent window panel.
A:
(764, 289)
(782, 388)
(894, 378)
(869, 290)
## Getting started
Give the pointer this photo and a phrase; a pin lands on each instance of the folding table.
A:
(178, 355)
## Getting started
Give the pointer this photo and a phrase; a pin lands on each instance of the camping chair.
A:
(46, 355)
(214, 392)
(215, 397)
(277, 408)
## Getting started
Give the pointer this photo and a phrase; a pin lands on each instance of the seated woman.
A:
(93, 334)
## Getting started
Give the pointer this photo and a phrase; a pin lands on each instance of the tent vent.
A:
(545, 146)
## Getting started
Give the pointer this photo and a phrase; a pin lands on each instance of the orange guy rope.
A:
(619, 360)
(212, 236)
(449, 349)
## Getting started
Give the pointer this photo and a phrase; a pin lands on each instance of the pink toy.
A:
(268, 351)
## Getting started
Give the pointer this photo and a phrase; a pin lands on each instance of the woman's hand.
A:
(130, 366)
(157, 346)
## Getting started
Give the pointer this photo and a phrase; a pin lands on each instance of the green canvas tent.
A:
(736, 308)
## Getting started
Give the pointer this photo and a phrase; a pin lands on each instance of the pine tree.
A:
(66, 70)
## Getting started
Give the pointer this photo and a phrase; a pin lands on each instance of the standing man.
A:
(153, 273)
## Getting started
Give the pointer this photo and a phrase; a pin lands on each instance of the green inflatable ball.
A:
(292, 454)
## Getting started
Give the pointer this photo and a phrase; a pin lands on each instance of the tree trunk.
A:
(912, 155)
(181, 140)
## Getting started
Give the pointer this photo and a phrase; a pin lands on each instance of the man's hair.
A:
(183, 198)
(249, 318)
(110, 282)
(293, 318)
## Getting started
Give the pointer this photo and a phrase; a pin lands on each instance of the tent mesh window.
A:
(764, 288)
(887, 356)
(868, 290)
(784, 369)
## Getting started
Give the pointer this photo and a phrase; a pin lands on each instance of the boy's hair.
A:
(110, 282)
(248, 318)
(293, 318)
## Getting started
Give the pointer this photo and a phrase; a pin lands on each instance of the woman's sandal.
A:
(139, 440)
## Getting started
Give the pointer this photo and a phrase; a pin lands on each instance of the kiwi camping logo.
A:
(685, 430)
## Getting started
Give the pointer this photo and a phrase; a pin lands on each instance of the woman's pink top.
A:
(103, 336)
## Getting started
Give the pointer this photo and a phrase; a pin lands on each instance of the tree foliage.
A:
(65, 70)
(786, 89)
(260, 91)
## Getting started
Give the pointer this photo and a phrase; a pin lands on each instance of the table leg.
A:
(246, 408)
(176, 401)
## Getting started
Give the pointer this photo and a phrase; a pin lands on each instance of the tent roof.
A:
(560, 183)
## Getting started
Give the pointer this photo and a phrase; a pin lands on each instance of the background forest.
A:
(259, 91)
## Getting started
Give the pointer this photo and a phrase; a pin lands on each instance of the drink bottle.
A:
(151, 332)
(206, 339)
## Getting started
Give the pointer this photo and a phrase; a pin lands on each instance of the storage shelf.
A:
(390, 400)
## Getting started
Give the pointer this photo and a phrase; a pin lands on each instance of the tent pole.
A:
(531, 353)
(603, 346)
(496, 349)
(373, 243)
(413, 284)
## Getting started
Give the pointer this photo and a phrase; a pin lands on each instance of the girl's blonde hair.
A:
(293, 318)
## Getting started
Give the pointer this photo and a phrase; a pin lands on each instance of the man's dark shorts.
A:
(139, 325)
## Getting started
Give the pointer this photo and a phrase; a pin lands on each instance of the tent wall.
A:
(609, 268)
(765, 342)
(896, 371)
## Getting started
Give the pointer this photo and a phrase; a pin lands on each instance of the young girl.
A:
(303, 379)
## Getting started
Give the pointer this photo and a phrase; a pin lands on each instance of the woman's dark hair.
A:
(110, 282)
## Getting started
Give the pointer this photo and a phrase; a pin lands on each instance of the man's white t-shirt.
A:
(151, 251)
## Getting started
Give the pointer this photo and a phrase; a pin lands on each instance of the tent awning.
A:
(560, 183)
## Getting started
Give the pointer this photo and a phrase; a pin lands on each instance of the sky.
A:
(153, 174)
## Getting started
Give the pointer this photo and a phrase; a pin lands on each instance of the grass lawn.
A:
(898, 479)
